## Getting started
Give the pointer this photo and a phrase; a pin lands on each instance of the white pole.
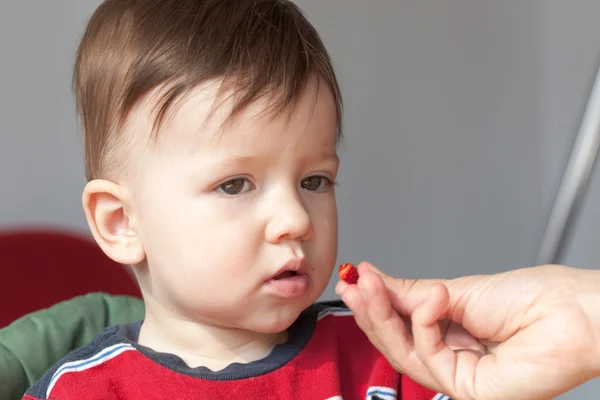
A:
(574, 183)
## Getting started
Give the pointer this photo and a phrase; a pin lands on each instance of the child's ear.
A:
(108, 211)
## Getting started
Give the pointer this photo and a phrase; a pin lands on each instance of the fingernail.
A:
(374, 268)
(371, 266)
(340, 288)
(362, 290)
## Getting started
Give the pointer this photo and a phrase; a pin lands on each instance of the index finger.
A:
(405, 294)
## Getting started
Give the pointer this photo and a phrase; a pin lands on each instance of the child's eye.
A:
(316, 183)
(236, 186)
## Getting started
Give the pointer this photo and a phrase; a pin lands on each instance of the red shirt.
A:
(326, 356)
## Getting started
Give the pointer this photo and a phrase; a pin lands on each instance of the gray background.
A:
(459, 120)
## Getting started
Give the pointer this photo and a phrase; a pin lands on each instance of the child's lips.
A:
(294, 266)
(288, 285)
(285, 274)
(289, 281)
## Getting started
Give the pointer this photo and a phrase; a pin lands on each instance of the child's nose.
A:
(289, 220)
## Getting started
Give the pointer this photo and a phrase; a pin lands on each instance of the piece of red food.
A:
(348, 273)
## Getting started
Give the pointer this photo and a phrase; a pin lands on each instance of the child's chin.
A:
(277, 323)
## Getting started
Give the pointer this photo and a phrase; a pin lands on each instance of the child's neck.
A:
(204, 345)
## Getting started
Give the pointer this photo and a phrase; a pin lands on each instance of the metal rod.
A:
(574, 183)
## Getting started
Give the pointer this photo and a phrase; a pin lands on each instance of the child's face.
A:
(220, 213)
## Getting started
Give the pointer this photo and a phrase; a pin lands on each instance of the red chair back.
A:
(39, 268)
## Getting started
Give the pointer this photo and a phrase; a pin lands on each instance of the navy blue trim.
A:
(300, 333)
(108, 337)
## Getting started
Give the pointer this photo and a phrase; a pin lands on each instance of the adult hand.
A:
(531, 333)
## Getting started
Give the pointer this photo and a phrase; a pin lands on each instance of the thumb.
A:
(405, 294)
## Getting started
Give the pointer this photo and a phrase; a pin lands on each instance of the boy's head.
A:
(210, 133)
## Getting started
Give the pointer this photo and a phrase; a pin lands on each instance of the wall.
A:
(571, 56)
(459, 121)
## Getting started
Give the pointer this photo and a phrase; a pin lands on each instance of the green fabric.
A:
(32, 344)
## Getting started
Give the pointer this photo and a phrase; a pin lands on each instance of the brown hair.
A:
(131, 47)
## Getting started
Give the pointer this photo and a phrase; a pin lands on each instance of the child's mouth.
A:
(285, 274)
(288, 284)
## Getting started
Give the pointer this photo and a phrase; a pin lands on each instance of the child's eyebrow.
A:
(243, 159)
(233, 161)
(330, 157)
